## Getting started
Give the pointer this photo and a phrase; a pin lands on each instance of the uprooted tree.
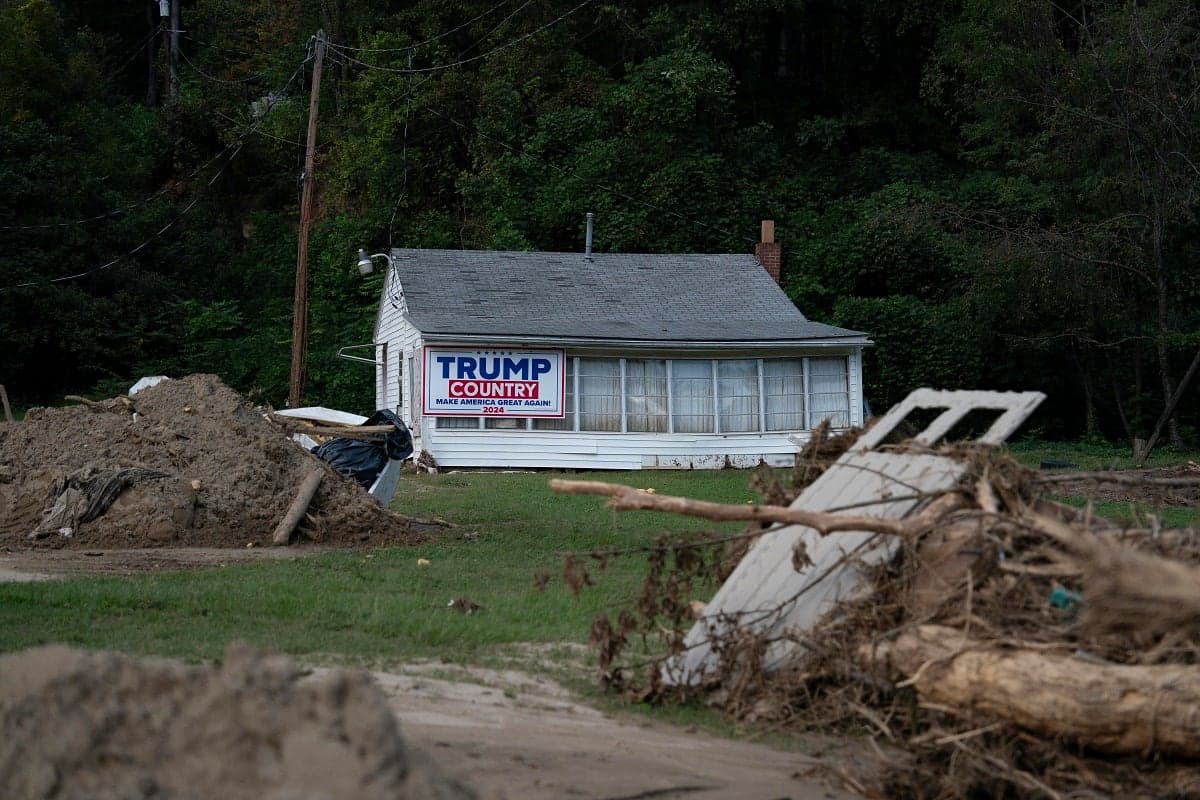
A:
(1013, 645)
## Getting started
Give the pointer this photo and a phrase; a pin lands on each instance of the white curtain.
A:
(692, 396)
(599, 394)
(783, 386)
(646, 395)
(567, 423)
(828, 383)
(445, 423)
(737, 393)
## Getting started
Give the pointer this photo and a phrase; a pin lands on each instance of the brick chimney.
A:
(767, 251)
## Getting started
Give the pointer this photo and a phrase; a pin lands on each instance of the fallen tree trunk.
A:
(1126, 589)
(1119, 709)
(1121, 478)
(283, 531)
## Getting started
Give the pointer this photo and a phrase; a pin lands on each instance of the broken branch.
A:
(628, 498)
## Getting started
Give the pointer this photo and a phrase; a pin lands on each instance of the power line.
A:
(116, 212)
(145, 42)
(431, 39)
(461, 62)
(238, 148)
(254, 77)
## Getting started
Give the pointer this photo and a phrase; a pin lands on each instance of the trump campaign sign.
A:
(477, 383)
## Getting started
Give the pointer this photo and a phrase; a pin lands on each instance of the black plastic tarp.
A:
(363, 460)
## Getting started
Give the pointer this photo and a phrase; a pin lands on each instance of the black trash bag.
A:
(364, 460)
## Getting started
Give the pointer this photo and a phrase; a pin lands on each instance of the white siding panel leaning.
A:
(768, 596)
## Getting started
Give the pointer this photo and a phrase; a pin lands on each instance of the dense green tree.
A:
(1001, 194)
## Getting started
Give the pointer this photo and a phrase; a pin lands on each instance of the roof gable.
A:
(612, 297)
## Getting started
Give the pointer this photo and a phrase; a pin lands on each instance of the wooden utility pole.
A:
(300, 309)
(173, 52)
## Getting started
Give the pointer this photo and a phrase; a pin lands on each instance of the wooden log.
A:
(283, 531)
(1122, 478)
(4, 399)
(1115, 708)
(1127, 589)
(341, 432)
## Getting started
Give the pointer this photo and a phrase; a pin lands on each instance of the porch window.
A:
(692, 396)
(737, 394)
(828, 384)
(599, 394)
(646, 395)
(457, 423)
(783, 390)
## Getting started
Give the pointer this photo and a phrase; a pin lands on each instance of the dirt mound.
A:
(190, 462)
(105, 726)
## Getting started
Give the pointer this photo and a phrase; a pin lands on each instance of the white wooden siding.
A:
(586, 450)
(403, 341)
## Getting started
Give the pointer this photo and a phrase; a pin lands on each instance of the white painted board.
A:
(767, 595)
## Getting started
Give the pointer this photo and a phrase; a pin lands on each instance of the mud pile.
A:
(199, 466)
(105, 726)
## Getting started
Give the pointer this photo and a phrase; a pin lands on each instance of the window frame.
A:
(575, 414)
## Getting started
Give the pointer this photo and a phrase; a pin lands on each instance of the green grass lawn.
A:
(1096, 455)
(380, 605)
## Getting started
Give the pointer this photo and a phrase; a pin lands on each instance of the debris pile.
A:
(1009, 646)
(185, 462)
(107, 726)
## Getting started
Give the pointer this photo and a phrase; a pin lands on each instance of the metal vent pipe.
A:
(587, 242)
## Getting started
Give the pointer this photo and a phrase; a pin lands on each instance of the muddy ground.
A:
(515, 735)
(510, 734)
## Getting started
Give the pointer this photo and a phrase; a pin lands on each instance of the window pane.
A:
(646, 395)
(599, 394)
(504, 423)
(444, 423)
(783, 384)
(567, 423)
(692, 396)
(737, 393)
(828, 381)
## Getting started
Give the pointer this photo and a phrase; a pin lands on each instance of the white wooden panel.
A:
(494, 448)
(1017, 406)
(767, 595)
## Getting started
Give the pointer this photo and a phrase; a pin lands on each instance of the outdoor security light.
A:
(365, 267)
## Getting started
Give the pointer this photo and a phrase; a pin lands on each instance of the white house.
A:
(607, 361)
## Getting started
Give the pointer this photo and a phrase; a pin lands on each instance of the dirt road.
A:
(513, 735)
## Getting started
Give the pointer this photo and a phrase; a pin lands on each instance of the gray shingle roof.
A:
(614, 297)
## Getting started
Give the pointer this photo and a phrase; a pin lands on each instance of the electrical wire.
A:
(254, 77)
(431, 39)
(116, 212)
(237, 145)
(145, 42)
(461, 62)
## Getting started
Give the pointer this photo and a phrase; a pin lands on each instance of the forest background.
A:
(1002, 193)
